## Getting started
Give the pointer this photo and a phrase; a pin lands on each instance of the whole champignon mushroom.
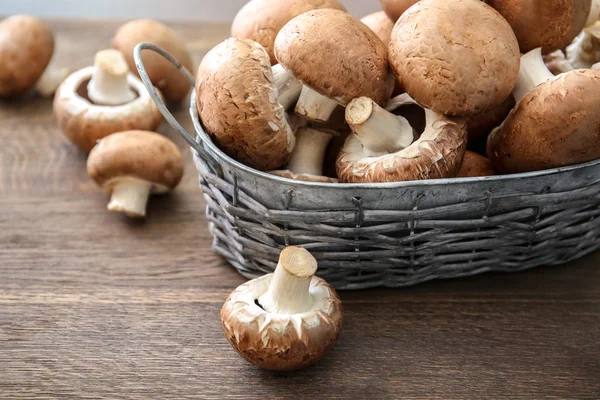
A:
(551, 24)
(555, 122)
(261, 20)
(585, 49)
(350, 62)
(162, 74)
(381, 24)
(132, 165)
(455, 57)
(382, 148)
(306, 163)
(26, 47)
(287, 320)
(238, 105)
(96, 101)
(395, 8)
(475, 165)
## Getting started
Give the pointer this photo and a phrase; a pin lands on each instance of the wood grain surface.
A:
(93, 305)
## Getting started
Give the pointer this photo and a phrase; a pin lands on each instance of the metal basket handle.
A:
(139, 64)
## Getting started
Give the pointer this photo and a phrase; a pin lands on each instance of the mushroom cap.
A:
(481, 125)
(438, 153)
(278, 341)
(395, 8)
(351, 60)
(142, 155)
(455, 57)
(554, 125)
(475, 165)
(261, 20)
(381, 24)
(303, 177)
(237, 103)
(26, 48)
(84, 122)
(550, 24)
(162, 73)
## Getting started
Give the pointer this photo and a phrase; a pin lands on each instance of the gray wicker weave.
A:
(394, 235)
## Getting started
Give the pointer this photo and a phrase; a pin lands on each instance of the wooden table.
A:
(93, 305)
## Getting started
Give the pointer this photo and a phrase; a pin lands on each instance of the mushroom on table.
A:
(287, 320)
(131, 166)
(96, 101)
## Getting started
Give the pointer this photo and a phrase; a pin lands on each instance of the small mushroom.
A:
(238, 105)
(475, 165)
(26, 48)
(261, 20)
(455, 57)
(382, 149)
(551, 24)
(480, 126)
(351, 61)
(287, 320)
(381, 24)
(555, 122)
(395, 8)
(307, 159)
(96, 101)
(132, 165)
(585, 49)
(162, 74)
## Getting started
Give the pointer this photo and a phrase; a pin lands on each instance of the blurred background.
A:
(166, 10)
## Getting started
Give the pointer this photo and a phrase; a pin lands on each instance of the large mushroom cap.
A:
(335, 54)
(381, 24)
(395, 8)
(162, 74)
(551, 24)
(26, 47)
(261, 20)
(237, 103)
(555, 125)
(455, 57)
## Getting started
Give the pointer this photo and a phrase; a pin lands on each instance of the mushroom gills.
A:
(109, 85)
(533, 72)
(288, 87)
(314, 106)
(130, 196)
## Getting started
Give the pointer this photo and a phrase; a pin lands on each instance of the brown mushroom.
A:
(237, 102)
(261, 20)
(455, 57)
(551, 24)
(382, 148)
(350, 62)
(306, 163)
(96, 101)
(132, 165)
(475, 165)
(381, 24)
(555, 122)
(395, 8)
(162, 74)
(480, 126)
(26, 48)
(287, 320)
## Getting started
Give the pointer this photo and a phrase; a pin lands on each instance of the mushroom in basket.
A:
(96, 101)
(287, 320)
(132, 165)
(26, 48)
(475, 165)
(351, 61)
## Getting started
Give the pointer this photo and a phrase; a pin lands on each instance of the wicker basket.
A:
(398, 234)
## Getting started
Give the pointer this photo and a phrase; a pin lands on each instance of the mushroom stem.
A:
(594, 13)
(585, 49)
(130, 196)
(309, 152)
(533, 71)
(51, 80)
(288, 87)
(379, 131)
(288, 291)
(314, 106)
(109, 84)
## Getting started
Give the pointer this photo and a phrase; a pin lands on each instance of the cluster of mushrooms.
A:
(306, 91)
(104, 109)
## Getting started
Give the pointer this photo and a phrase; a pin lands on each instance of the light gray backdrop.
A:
(183, 10)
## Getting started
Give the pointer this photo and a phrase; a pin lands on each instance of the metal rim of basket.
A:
(205, 140)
